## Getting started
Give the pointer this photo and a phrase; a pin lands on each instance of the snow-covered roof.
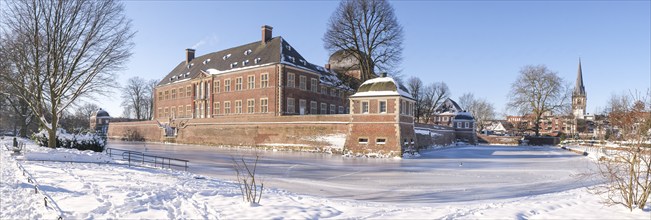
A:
(381, 86)
(274, 51)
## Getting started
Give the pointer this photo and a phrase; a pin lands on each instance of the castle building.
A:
(579, 96)
(266, 77)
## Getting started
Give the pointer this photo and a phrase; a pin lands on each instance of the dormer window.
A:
(291, 58)
(257, 60)
(206, 61)
(187, 74)
(190, 65)
(303, 61)
(288, 47)
(226, 56)
(247, 52)
(233, 65)
(244, 63)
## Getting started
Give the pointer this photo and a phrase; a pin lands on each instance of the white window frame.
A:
(227, 85)
(227, 107)
(250, 106)
(314, 107)
(251, 81)
(238, 83)
(324, 108)
(291, 80)
(379, 106)
(302, 103)
(264, 80)
(217, 108)
(314, 86)
(238, 106)
(264, 105)
(333, 109)
(302, 82)
(364, 104)
(291, 107)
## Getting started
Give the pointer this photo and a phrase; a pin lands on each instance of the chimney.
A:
(266, 33)
(327, 66)
(189, 55)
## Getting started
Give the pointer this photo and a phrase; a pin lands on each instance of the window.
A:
(333, 92)
(181, 92)
(314, 86)
(403, 107)
(341, 109)
(250, 106)
(466, 125)
(324, 108)
(217, 87)
(173, 111)
(290, 80)
(188, 111)
(381, 141)
(167, 95)
(290, 105)
(251, 81)
(227, 107)
(445, 118)
(363, 140)
(217, 108)
(238, 84)
(301, 106)
(458, 124)
(264, 80)
(160, 96)
(365, 107)
(188, 91)
(227, 85)
(313, 107)
(302, 82)
(167, 112)
(238, 107)
(173, 93)
(383, 107)
(160, 112)
(324, 90)
(264, 105)
(333, 109)
(181, 111)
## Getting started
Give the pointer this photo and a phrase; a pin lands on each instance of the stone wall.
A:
(428, 135)
(138, 130)
(307, 133)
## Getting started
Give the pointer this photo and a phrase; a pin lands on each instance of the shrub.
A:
(81, 142)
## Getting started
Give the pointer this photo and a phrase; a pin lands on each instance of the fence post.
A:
(129, 153)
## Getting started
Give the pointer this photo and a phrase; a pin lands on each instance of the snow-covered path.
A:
(456, 174)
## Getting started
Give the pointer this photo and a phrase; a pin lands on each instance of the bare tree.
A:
(416, 89)
(135, 98)
(537, 91)
(149, 101)
(433, 95)
(60, 51)
(627, 169)
(369, 31)
(480, 109)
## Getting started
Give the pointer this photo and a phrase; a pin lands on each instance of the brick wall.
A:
(140, 130)
(437, 135)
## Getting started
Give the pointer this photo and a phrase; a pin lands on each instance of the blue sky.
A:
(472, 46)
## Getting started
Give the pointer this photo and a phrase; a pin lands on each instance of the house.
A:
(99, 122)
(445, 112)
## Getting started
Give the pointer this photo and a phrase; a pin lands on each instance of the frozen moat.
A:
(455, 174)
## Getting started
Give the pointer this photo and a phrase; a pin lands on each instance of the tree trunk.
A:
(52, 138)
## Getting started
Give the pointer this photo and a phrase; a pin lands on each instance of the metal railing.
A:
(134, 158)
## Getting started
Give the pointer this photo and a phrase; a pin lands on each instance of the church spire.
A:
(579, 89)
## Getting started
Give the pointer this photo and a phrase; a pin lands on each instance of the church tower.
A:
(579, 96)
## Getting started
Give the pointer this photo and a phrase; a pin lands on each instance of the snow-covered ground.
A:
(110, 190)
